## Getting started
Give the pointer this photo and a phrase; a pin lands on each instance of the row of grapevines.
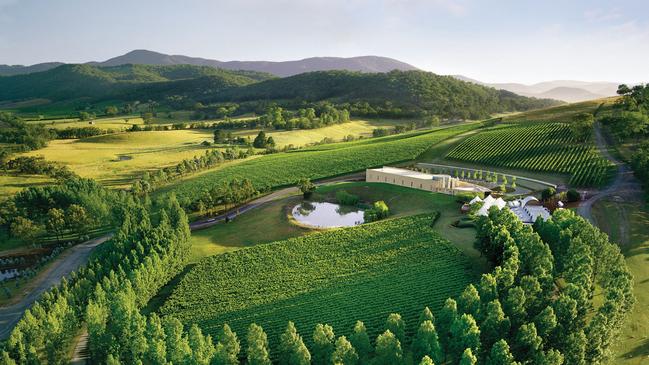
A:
(546, 147)
(335, 277)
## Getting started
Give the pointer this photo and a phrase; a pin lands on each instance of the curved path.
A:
(78, 255)
(66, 263)
(625, 185)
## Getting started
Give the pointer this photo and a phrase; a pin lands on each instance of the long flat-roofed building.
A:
(440, 183)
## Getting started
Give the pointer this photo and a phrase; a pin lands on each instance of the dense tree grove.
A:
(23, 136)
(400, 94)
(107, 293)
(36, 165)
(83, 203)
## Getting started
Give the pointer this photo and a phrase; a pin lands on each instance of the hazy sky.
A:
(490, 40)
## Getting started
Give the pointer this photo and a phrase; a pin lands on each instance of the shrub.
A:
(573, 195)
(378, 211)
(345, 198)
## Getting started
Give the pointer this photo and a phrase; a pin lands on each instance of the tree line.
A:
(536, 306)
(141, 257)
(74, 206)
(152, 180)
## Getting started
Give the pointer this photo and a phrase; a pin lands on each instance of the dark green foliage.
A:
(410, 93)
(388, 349)
(426, 343)
(378, 211)
(361, 341)
(344, 353)
(323, 343)
(345, 198)
(134, 82)
(292, 350)
(573, 195)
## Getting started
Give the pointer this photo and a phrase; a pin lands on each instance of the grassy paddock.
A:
(561, 113)
(12, 183)
(99, 157)
(633, 346)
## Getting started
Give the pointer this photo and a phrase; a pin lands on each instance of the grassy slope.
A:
(335, 277)
(98, 157)
(337, 132)
(561, 113)
(633, 348)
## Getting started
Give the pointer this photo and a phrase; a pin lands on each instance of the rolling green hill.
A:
(395, 91)
(84, 81)
(394, 94)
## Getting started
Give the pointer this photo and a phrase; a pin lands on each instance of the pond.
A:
(327, 215)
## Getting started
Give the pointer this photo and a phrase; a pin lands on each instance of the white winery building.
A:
(439, 183)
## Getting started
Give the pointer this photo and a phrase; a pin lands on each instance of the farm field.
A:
(99, 157)
(13, 183)
(561, 113)
(285, 168)
(115, 123)
(337, 132)
(547, 147)
(335, 277)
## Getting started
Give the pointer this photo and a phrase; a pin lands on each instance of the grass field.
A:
(547, 147)
(335, 277)
(262, 225)
(115, 159)
(633, 346)
(282, 169)
(561, 113)
(115, 123)
(337, 132)
(12, 183)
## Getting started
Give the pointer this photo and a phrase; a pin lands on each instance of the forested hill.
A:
(77, 81)
(393, 94)
(415, 91)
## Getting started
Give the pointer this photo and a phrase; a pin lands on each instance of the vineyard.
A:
(335, 277)
(285, 168)
(547, 147)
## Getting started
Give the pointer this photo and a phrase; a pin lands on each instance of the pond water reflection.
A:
(327, 215)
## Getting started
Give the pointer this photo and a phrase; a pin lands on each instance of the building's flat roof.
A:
(408, 173)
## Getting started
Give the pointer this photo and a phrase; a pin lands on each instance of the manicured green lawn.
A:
(265, 224)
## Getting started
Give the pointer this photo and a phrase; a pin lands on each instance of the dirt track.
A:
(625, 186)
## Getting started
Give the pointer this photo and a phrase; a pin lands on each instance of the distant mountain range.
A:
(564, 90)
(281, 69)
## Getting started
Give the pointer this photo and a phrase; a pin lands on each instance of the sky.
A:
(489, 40)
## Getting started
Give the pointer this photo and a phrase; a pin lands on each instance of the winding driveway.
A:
(69, 261)
(625, 186)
